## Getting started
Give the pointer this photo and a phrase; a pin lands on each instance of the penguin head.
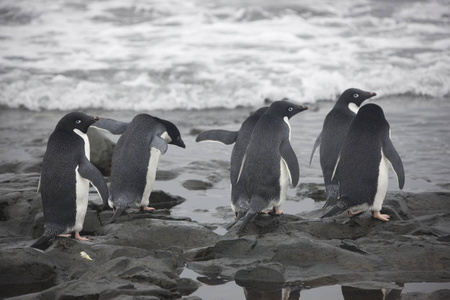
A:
(174, 134)
(76, 120)
(371, 112)
(352, 98)
(286, 109)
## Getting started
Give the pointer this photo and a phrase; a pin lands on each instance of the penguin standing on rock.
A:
(135, 160)
(270, 164)
(65, 177)
(362, 167)
(334, 131)
(241, 139)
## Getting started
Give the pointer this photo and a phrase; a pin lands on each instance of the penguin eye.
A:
(355, 95)
(78, 121)
(290, 109)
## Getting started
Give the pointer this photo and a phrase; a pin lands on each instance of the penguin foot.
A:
(276, 211)
(64, 235)
(147, 208)
(80, 238)
(382, 217)
(351, 214)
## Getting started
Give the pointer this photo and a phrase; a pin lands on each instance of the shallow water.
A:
(219, 289)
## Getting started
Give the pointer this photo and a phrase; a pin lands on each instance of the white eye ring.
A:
(78, 121)
(290, 109)
(355, 95)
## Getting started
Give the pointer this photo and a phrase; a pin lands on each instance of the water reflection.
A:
(264, 292)
(352, 293)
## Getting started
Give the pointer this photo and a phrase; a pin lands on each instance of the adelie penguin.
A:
(362, 167)
(334, 131)
(270, 164)
(241, 139)
(65, 177)
(135, 160)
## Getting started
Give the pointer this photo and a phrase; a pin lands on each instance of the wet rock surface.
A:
(143, 254)
(152, 255)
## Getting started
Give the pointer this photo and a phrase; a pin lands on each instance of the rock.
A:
(194, 185)
(264, 277)
(161, 199)
(159, 234)
(102, 150)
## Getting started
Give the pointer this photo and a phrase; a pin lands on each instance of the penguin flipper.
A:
(288, 155)
(222, 136)
(88, 171)
(395, 160)
(159, 143)
(316, 144)
(113, 126)
(43, 242)
(117, 213)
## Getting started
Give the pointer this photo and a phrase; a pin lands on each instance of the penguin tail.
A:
(239, 216)
(248, 217)
(43, 242)
(334, 211)
(117, 213)
(331, 200)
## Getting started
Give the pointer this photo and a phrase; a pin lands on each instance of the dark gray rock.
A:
(102, 149)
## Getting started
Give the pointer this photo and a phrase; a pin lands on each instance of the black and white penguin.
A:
(334, 131)
(270, 164)
(241, 139)
(362, 167)
(135, 160)
(66, 174)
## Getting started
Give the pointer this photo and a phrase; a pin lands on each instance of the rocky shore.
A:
(144, 255)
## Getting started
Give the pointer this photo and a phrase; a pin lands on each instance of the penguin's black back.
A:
(263, 156)
(131, 156)
(58, 179)
(359, 163)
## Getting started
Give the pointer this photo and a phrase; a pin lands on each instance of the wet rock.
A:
(194, 185)
(102, 150)
(161, 199)
(159, 234)
(264, 277)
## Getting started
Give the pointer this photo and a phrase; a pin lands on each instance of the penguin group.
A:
(355, 154)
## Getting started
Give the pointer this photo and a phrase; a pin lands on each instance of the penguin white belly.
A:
(81, 187)
(284, 182)
(151, 174)
(82, 195)
(382, 183)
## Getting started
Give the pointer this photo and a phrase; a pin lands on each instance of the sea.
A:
(145, 55)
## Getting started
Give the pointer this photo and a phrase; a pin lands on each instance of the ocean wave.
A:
(147, 55)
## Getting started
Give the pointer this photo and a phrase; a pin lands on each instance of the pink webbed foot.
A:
(351, 214)
(147, 208)
(80, 238)
(382, 217)
(64, 235)
(277, 210)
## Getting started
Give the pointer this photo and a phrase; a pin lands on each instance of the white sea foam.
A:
(145, 55)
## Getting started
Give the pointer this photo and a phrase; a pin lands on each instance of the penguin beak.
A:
(372, 94)
(95, 118)
(304, 107)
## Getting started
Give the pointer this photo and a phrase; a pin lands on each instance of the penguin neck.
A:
(87, 148)
(286, 120)
(166, 137)
(353, 107)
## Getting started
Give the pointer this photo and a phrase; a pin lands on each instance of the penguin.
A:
(362, 167)
(241, 139)
(135, 159)
(270, 164)
(65, 177)
(334, 131)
